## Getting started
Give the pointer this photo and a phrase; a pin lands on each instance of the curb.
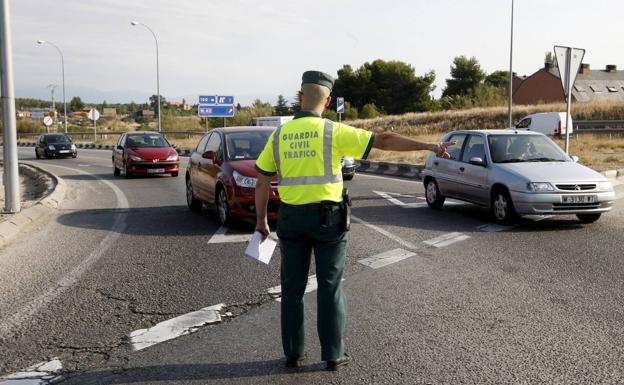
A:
(45, 206)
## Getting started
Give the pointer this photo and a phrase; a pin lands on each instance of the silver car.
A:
(515, 172)
(348, 166)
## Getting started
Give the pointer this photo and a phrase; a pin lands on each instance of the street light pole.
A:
(135, 23)
(511, 68)
(63, 72)
(11, 173)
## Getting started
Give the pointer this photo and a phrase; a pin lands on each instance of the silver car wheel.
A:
(431, 192)
(500, 207)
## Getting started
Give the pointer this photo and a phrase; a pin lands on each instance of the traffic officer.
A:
(305, 154)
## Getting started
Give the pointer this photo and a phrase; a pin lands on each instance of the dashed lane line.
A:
(276, 291)
(446, 239)
(388, 234)
(386, 258)
(222, 236)
(42, 373)
(175, 327)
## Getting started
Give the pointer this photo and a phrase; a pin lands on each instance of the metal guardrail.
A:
(601, 126)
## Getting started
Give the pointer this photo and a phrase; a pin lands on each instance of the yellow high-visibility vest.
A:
(305, 153)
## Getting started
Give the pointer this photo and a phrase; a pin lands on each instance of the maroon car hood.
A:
(149, 153)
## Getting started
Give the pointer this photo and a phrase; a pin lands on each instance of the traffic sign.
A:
(93, 114)
(206, 111)
(569, 61)
(48, 121)
(340, 105)
(207, 99)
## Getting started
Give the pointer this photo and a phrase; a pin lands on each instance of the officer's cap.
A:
(318, 77)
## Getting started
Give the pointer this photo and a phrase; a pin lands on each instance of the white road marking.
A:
(85, 165)
(386, 258)
(39, 374)
(378, 229)
(276, 291)
(221, 236)
(392, 198)
(72, 278)
(494, 228)
(175, 327)
(446, 239)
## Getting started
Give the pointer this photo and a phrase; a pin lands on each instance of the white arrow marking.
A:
(387, 258)
(175, 327)
(446, 239)
(39, 374)
(276, 291)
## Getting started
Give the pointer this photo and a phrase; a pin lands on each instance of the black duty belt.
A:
(316, 205)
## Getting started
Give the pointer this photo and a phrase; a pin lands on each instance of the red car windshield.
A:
(246, 145)
(135, 141)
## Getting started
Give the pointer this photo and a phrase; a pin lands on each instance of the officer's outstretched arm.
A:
(263, 189)
(391, 141)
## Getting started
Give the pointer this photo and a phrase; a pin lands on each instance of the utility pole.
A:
(11, 174)
(511, 68)
(52, 87)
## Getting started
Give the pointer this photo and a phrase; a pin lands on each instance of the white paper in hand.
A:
(261, 250)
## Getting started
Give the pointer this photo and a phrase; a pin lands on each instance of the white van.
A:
(272, 121)
(548, 123)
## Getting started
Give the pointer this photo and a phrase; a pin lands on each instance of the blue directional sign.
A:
(215, 111)
(340, 105)
(215, 106)
(208, 99)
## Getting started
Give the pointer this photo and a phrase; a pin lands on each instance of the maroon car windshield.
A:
(146, 140)
(246, 145)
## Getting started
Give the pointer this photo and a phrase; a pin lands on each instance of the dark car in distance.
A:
(54, 146)
(145, 153)
(221, 173)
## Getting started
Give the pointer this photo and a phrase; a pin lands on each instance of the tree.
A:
(153, 102)
(392, 86)
(369, 111)
(76, 104)
(466, 75)
(281, 108)
(497, 79)
(549, 58)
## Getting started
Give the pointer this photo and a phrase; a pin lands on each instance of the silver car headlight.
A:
(608, 186)
(244, 181)
(540, 187)
(51, 147)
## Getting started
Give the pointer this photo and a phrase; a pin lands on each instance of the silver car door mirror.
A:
(575, 158)
(477, 161)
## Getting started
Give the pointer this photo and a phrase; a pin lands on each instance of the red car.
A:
(221, 173)
(145, 153)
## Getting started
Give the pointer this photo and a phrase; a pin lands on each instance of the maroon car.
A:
(221, 173)
(145, 153)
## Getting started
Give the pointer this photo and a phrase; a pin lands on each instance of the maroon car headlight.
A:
(135, 158)
(173, 157)
(244, 181)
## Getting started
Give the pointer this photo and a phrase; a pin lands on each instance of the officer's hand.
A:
(263, 228)
(440, 148)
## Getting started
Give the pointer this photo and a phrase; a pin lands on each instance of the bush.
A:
(369, 111)
(29, 125)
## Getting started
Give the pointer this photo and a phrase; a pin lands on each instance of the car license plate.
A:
(64, 151)
(578, 199)
(155, 170)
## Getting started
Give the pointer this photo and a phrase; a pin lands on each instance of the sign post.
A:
(215, 106)
(340, 107)
(569, 61)
(94, 115)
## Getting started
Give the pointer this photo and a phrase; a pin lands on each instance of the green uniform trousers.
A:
(300, 232)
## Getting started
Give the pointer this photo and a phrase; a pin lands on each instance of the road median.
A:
(42, 195)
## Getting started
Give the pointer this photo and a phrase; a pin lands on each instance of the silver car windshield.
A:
(524, 148)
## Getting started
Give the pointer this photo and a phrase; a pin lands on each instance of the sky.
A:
(259, 49)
